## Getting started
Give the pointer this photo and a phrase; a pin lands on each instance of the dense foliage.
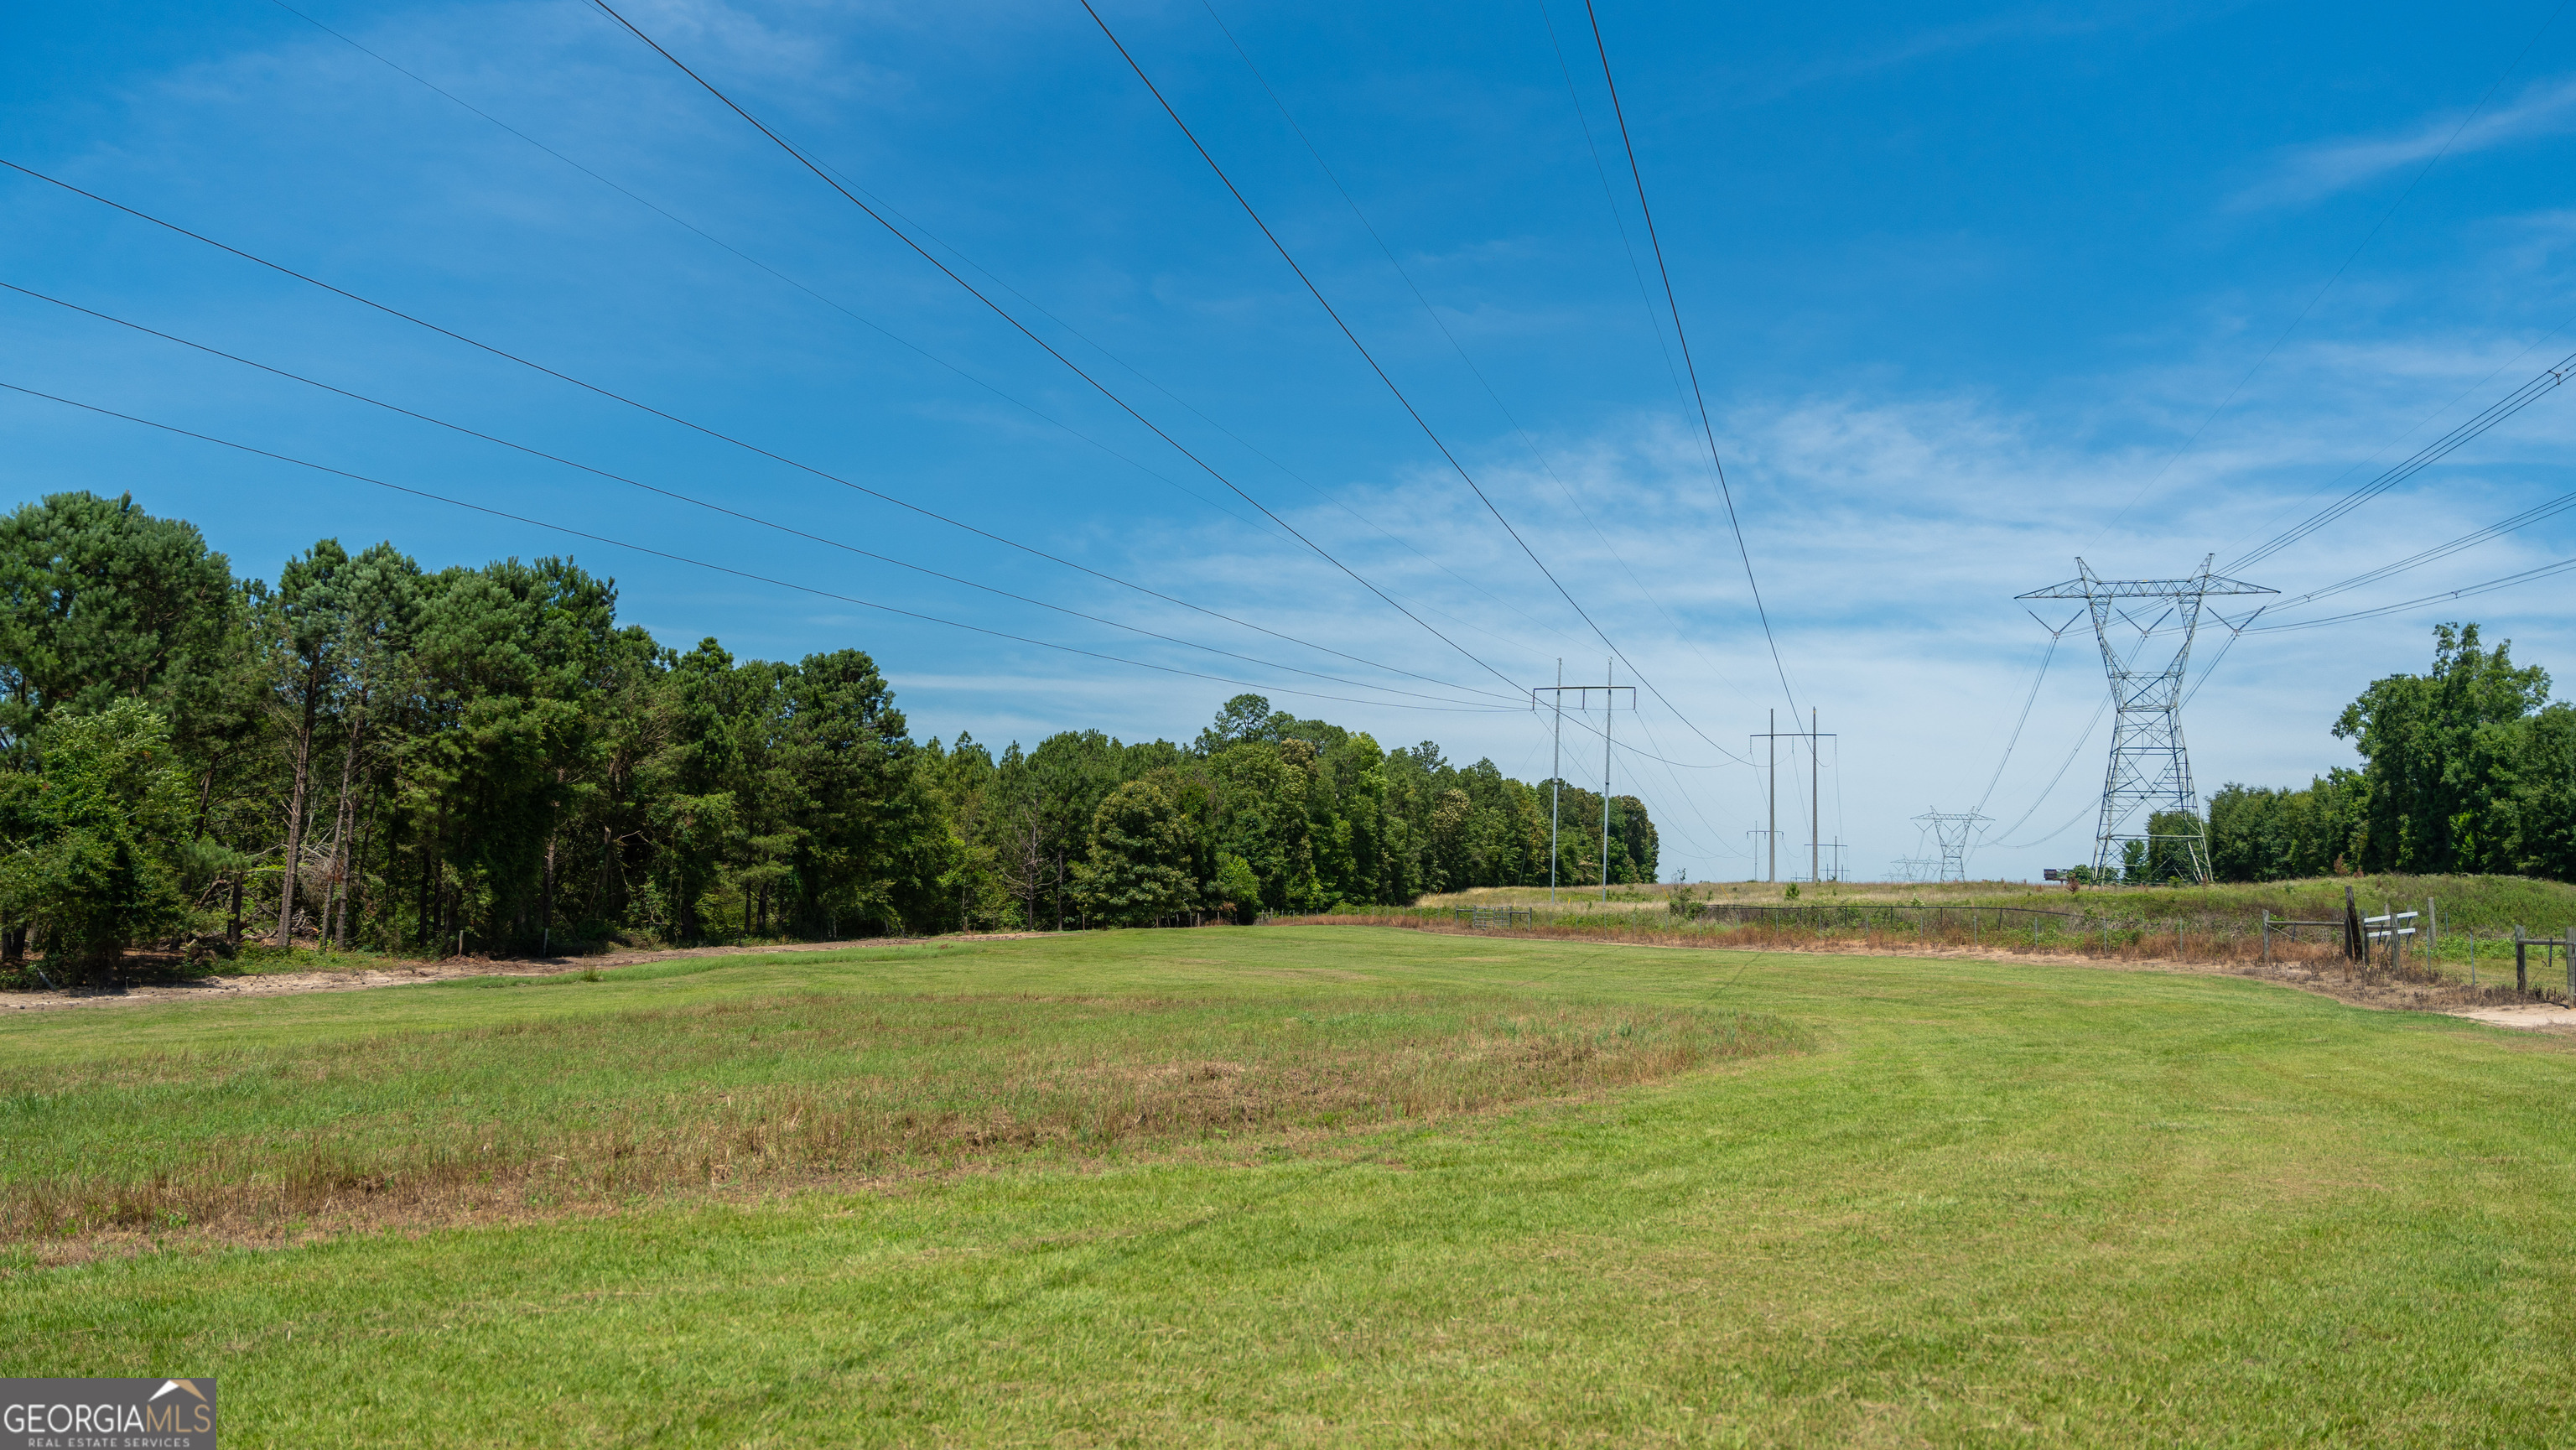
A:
(2468, 768)
(375, 755)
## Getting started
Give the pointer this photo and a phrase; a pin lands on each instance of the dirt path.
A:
(279, 984)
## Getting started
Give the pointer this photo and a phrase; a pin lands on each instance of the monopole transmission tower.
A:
(2149, 769)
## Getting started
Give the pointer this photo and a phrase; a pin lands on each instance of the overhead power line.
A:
(1049, 348)
(694, 501)
(1708, 429)
(721, 437)
(927, 355)
(2470, 540)
(2466, 591)
(2346, 265)
(724, 568)
(2425, 457)
(1370, 358)
(2028, 700)
(1433, 313)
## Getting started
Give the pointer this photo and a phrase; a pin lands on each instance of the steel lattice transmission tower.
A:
(2149, 767)
(1952, 831)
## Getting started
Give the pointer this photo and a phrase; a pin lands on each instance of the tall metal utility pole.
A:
(1583, 701)
(1815, 800)
(2149, 767)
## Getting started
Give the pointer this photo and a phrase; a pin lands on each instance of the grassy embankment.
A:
(2221, 921)
(1807, 1199)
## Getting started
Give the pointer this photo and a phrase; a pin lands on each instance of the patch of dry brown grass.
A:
(743, 1096)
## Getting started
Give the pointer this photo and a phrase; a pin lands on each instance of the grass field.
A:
(1302, 1185)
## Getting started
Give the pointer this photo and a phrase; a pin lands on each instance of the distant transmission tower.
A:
(1952, 830)
(2149, 767)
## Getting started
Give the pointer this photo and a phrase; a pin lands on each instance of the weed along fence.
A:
(1999, 927)
(1934, 923)
(2526, 947)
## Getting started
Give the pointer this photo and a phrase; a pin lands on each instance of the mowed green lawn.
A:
(1756, 1199)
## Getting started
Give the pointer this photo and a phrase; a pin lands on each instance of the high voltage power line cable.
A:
(897, 338)
(2077, 749)
(2081, 740)
(2028, 700)
(2349, 258)
(2511, 403)
(2551, 509)
(2466, 591)
(2234, 633)
(715, 241)
(728, 569)
(729, 439)
(1433, 313)
(1645, 301)
(1619, 744)
(2417, 426)
(1610, 203)
(1687, 798)
(1370, 358)
(697, 502)
(1708, 429)
(2514, 402)
(1049, 348)
(2081, 812)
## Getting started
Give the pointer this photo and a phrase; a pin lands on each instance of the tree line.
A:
(368, 754)
(2468, 768)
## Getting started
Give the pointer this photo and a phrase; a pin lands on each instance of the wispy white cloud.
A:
(2312, 173)
(1931, 43)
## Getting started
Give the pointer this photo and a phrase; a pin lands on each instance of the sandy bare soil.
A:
(2531, 1016)
(275, 984)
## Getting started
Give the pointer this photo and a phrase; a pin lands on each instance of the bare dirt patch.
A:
(276, 984)
(2531, 1017)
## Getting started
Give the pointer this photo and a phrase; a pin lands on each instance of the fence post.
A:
(2570, 955)
(2267, 935)
(2521, 963)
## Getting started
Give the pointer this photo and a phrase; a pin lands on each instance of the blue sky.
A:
(1970, 291)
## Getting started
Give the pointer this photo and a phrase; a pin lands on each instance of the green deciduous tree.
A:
(93, 837)
(483, 757)
(1136, 869)
(2437, 751)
